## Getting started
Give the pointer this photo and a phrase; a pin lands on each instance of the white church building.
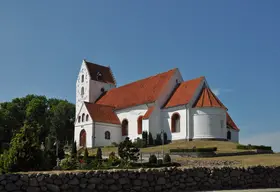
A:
(185, 110)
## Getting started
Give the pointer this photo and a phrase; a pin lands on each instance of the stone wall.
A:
(167, 179)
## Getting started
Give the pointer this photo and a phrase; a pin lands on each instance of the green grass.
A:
(223, 147)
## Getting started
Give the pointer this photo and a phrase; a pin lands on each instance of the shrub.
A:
(74, 149)
(158, 140)
(69, 163)
(139, 143)
(128, 152)
(165, 138)
(151, 139)
(159, 161)
(167, 158)
(153, 159)
(99, 154)
(113, 159)
(85, 158)
(208, 149)
(251, 147)
(145, 138)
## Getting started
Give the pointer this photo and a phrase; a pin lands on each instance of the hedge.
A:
(249, 147)
(207, 149)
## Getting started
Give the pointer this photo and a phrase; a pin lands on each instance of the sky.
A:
(234, 44)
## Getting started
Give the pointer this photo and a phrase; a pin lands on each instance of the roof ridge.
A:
(98, 104)
(144, 79)
(91, 63)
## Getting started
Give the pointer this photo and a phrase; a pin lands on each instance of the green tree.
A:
(165, 138)
(158, 140)
(24, 153)
(99, 154)
(128, 152)
(167, 158)
(85, 158)
(74, 150)
(145, 138)
(151, 139)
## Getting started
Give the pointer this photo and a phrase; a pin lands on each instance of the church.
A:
(165, 102)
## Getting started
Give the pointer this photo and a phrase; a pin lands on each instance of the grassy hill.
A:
(223, 147)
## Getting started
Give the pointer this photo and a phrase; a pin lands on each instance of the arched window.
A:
(82, 91)
(124, 127)
(83, 78)
(79, 119)
(175, 123)
(139, 124)
(87, 117)
(83, 138)
(107, 135)
(229, 135)
(83, 117)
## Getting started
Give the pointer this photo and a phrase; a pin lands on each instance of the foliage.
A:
(206, 149)
(158, 140)
(145, 138)
(24, 153)
(167, 158)
(85, 158)
(151, 139)
(139, 143)
(69, 163)
(54, 117)
(74, 149)
(113, 159)
(165, 138)
(251, 147)
(128, 152)
(152, 159)
(99, 154)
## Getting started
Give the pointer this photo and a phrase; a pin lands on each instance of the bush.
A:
(74, 149)
(113, 159)
(69, 163)
(158, 140)
(251, 147)
(99, 154)
(208, 149)
(159, 161)
(151, 139)
(167, 158)
(165, 138)
(85, 158)
(139, 143)
(128, 152)
(153, 159)
(145, 138)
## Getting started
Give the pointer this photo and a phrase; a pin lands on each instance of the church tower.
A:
(92, 81)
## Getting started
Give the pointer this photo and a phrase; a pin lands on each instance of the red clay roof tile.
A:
(231, 123)
(149, 112)
(184, 93)
(208, 99)
(140, 92)
(107, 75)
(102, 113)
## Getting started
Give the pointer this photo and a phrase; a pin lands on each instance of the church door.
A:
(83, 136)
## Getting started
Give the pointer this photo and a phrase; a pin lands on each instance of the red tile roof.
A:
(149, 112)
(140, 92)
(107, 75)
(231, 123)
(184, 93)
(208, 99)
(102, 113)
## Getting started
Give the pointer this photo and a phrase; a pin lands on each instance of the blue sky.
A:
(235, 44)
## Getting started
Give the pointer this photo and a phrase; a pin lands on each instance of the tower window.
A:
(83, 78)
(83, 117)
(87, 117)
(98, 76)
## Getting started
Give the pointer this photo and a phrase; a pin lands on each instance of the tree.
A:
(145, 138)
(128, 152)
(24, 153)
(74, 150)
(165, 138)
(99, 154)
(153, 159)
(158, 140)
(167, 158)
(85, 158)
(151, 139)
